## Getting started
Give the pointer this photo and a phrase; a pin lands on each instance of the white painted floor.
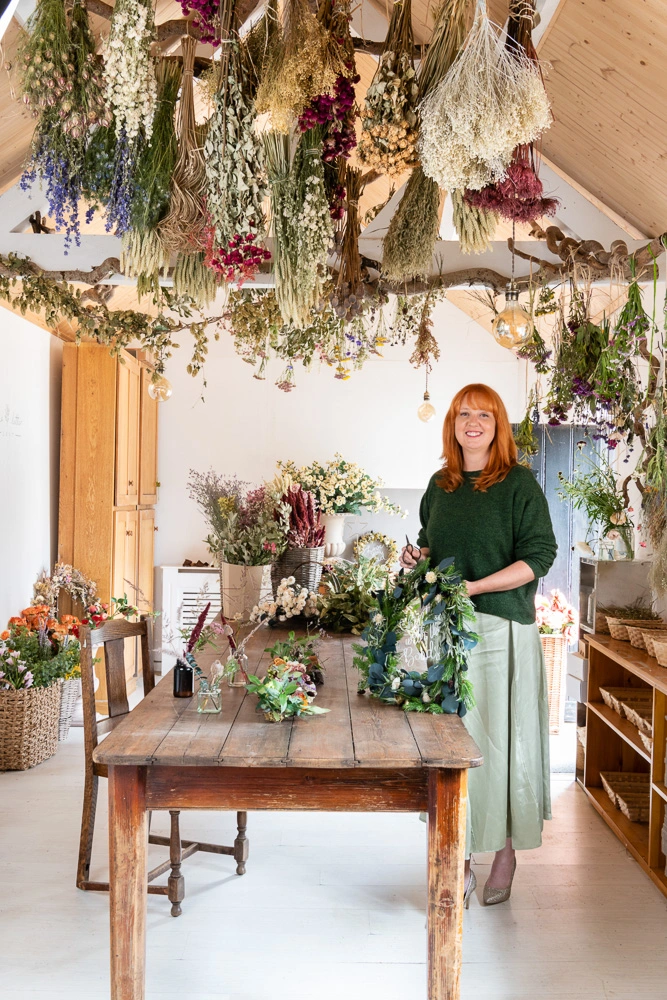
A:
(332, 906)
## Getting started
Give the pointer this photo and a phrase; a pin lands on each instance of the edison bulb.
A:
(160, 389)
(426, 411)
(513, 326)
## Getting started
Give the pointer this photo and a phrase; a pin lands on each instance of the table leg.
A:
(446, 858)
(128, 836)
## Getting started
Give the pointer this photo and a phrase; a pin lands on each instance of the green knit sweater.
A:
(485, 532)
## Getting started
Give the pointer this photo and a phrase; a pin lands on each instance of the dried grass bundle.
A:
(413, 231)
(426, 346)
(490, 101)
(301, 65)
(194, 279)
(349, 284)
(447, 37)
(475, 227)
(389, 119)
(183, 227)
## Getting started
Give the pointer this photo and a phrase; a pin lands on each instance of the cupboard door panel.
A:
(147, 443)
(145, 569)
(126, 531)
(127, 432)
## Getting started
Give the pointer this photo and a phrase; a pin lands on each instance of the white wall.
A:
(29, 457)
(244, 425)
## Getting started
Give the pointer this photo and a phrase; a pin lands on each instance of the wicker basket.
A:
(619, 626)
(28, 726)
(555, 648)
(581, 748)
(660, 650)
(636, 636)
(647, 741)
(614, 696)
(630, 792)
(601, 624)
(640, 715)
(305, 565)
(71, 692)
(652, 636)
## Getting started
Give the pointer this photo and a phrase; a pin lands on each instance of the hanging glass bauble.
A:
(160, 388)
(513, 327)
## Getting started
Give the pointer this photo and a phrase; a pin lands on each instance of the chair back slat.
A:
(114, 660)
(118, 629)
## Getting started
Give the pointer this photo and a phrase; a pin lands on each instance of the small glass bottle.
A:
(183, 680)
(209, 700)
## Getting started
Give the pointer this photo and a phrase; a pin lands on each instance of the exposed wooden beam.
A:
(93, 277)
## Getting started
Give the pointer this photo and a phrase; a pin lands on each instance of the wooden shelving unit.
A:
(613, 744)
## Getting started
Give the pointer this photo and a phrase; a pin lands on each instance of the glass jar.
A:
(237, 670)
(209, 699)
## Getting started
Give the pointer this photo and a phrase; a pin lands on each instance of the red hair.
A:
(503, 448)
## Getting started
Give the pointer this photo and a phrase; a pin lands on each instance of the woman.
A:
(489, 513)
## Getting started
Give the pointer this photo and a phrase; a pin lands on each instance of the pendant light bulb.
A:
(426, 411)
(513, 327)
(160, 388)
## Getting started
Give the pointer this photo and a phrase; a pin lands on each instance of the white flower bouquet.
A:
(341, 487)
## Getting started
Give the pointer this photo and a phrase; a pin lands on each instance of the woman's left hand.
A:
(471, 588)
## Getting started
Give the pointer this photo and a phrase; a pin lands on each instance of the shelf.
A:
(661, 789)
(635, 661)
(633, 835)
(621, 727)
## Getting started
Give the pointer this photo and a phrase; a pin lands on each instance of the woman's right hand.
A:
(410, 556)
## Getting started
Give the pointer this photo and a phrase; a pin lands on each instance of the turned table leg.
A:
(128, 836)
(446, 860)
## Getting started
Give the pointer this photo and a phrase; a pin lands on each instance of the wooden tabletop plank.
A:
(382, 734)
(326, 740)
(136, 739)
(444, 741)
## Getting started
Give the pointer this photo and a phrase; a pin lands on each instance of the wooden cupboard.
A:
(108, 477)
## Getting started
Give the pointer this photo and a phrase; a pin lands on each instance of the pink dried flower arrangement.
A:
(554, 616)
(305, 529)
(519, 196)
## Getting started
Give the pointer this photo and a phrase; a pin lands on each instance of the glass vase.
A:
(237, 670)
(209, 700)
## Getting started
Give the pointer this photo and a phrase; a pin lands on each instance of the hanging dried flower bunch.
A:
(426, 346)
(301, 65)
(236, 184)
(519, 196)
(183, 227)
(490, 101)
(62, 84)
(389, 119)
(143, 255)
(348, 301)
(193, 279)
(129, 69)
(475, 227)
(206, 18)
(413, 230)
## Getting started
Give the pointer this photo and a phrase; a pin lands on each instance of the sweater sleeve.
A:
(424, 508)
(535, 542)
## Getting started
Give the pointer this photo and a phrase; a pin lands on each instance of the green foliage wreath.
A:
(434, 601)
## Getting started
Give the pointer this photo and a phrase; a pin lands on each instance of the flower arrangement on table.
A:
(593, 489)
(554, 616)
(302, 650)
(286, 691)
(347, 593)
(36, 649)
(341, 487)
(445, 613)
(248, 526)
(290, 601)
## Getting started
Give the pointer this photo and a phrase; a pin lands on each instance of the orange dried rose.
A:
(5, 634)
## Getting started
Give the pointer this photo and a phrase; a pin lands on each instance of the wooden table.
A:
(362, 756)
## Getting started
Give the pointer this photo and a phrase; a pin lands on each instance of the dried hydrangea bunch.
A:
(389, 119)
(236, 184)
(491, 100)
(475, 227)
(129, 69)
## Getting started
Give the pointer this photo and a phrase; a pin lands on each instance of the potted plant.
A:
(248, 531)
(594, 490)
(557, 625)
(340, 488)
(302, 559)
(36, 653)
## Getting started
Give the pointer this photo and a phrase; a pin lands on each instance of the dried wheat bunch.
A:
(475, 227)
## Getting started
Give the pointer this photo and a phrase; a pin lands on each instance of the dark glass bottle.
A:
(183, 680)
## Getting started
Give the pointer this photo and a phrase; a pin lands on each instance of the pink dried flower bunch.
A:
(240, 260)
(336, 109)
(305, 528)
(554, 616)
(519, 196)
(206, 19)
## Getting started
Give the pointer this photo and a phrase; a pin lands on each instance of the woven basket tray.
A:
(640, 716)
(647, 741)
(28, 726)
(636, 635)
(305, 565)
(71, 692)
(619, 626)
(636, 806)
(613, 696)
(660, 651)
(652, 636)
(630, 792)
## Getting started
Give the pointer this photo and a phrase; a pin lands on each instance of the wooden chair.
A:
(113, 635)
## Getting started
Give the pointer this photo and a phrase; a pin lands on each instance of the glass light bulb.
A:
(426, 411)
(160, 389)
(513, 326)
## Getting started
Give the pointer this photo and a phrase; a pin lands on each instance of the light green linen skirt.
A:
(508, 796)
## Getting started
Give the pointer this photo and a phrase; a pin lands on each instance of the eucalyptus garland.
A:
(236, 184)
(433, 607)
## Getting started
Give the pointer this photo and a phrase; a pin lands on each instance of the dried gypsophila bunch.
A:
(129, 69)
(491, 100)
(389, 119)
